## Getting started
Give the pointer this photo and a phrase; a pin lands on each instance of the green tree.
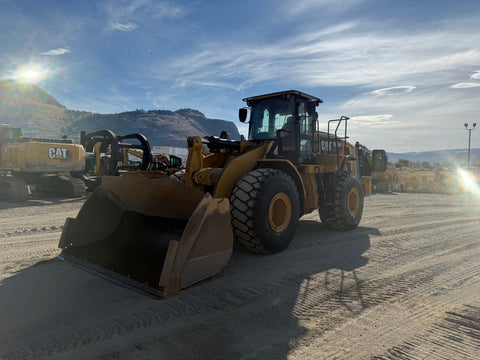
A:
(403, 163)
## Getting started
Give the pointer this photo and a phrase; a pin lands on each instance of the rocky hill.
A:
(39, 115)
(32, 109)
(162, 127)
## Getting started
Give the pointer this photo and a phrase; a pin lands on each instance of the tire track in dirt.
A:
(338, 302)
(228, 297)
(442, 266)
(264, 313)
(29, 232)
(6, 236)
(456, 336)
(381, 287)
(412, 310)
(25, 240)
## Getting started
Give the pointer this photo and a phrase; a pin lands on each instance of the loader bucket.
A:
(156, 234)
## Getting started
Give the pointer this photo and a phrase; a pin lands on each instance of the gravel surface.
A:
(404, 285)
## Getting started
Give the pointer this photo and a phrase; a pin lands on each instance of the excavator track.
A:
(12, 188)
(63, 186)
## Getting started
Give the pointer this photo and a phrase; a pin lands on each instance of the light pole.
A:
(469, 138)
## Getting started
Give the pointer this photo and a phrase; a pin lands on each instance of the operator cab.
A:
(8, 132)
(287, 117)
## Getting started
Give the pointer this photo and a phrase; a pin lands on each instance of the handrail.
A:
(339, 121)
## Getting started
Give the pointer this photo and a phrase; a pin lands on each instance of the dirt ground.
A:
(404, 285)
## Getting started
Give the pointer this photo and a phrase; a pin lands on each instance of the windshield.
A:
(269, 115)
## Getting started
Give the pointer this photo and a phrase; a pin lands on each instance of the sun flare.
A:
(468, 182)
(30, 73)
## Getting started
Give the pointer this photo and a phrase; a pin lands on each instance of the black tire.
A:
(346, 212)
(265, 209)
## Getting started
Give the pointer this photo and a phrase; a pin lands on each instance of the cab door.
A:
(306, 130)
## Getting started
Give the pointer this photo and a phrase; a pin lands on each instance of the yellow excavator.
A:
(161, 233)
(44, 167)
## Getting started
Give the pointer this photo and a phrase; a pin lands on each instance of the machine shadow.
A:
(37, 301)
(317, 271)
(268, 294)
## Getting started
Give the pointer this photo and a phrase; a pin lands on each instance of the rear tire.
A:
(265, 209)
(346, 212)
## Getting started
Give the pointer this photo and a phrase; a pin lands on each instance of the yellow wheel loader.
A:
(50, 167)
(374, 164)
(162, 233)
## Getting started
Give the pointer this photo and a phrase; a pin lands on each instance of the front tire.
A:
(265, 209)
(346, 211)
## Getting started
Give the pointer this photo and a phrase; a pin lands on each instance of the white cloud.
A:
(294, 8)
(465, 85)
(372, 118)
(164, 9)
(123, 17)
(369, 65)
(475, 75)
(394, 90)
(340, 55)
(427, 119)
(124, 27)
(55, 52)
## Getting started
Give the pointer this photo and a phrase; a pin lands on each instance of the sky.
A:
(407, 73)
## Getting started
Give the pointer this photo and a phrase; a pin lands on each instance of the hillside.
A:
(34, 110)
(162, 127)
(40, 115)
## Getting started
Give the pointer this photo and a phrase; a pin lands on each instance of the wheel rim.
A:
(353, 202)
(279, 212)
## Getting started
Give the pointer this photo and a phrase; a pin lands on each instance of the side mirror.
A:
(242, 114)
(311, 106)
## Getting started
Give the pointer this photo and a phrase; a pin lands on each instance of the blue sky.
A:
(406, 72)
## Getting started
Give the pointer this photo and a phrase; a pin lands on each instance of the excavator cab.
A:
(8, 132)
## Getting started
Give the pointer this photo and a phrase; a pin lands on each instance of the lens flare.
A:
(468, 182)
(30, 73)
